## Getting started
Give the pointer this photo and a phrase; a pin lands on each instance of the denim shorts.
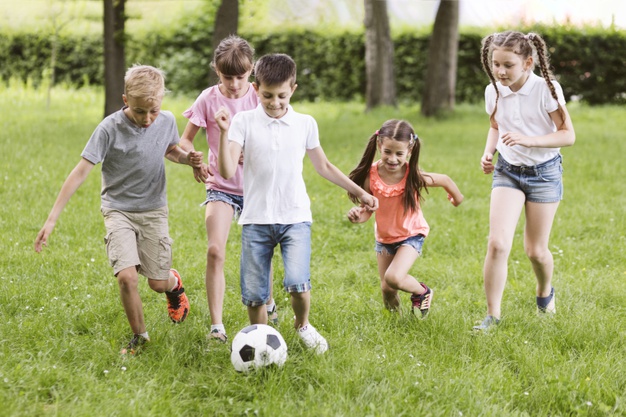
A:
(257, 248)
(234, 200)
(540, 183)
(416, 242)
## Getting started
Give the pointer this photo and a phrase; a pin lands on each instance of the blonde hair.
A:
(145, 82)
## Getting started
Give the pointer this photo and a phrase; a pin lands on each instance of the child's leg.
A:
(505, 209)
(128, 280)
(396, 273)
(301, 304)
(218, 219)
(539, 219)
(257, 314)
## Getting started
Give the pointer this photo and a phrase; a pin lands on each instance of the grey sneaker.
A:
(312, 339)
(272, 316)
(488, 323)
(547, 304)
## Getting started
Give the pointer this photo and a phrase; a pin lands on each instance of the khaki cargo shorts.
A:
(139, 239)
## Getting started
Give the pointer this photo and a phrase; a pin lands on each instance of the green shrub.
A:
(587, 61)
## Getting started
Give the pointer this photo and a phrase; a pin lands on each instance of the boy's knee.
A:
(128, 278)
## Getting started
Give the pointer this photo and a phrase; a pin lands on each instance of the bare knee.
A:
(216, 254)
(128, 278)
(497, 248)
(539, 256)
(391, 281)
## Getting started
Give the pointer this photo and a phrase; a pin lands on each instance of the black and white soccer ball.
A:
(257, 346)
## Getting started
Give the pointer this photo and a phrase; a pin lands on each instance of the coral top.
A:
(392, 223)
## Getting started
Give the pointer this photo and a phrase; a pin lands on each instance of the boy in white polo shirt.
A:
(275, 139)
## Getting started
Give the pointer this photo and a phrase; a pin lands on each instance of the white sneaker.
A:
(312, 339)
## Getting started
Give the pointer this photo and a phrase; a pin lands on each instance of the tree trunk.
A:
(440, 82)
(381, 82)
(226, 23)
(114, 55)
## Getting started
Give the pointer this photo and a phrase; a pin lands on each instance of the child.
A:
(277, 210)
(233, 62)
(400, 229)
(131, 144)
(529, 123)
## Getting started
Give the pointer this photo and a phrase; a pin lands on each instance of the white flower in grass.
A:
(589, 403)
(123, 368)
(526, 393)
(88, 295)
(410, 356)
(106, 371)
(92, 260)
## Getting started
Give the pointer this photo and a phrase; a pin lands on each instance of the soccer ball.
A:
(257, 346)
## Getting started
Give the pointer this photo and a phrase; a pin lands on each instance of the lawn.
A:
(62, 323)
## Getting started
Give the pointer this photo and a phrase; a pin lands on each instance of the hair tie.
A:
(376, 133)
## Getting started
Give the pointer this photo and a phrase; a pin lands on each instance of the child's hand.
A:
(42, 237)
(455, 201)
(513, 138)
(195, 159)
(202, 174)
(486, 163)
(354, 214)
(369, 202)
(222, 117)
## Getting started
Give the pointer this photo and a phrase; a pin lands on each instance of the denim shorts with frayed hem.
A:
(541, 183)
(416, 242)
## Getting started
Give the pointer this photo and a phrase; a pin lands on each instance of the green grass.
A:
(62, 324)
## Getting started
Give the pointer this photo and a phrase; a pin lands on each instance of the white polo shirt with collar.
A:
(274, 191)
(527, 112)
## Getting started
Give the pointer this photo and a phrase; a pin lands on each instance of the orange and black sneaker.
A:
(134, 346)
(177, 302)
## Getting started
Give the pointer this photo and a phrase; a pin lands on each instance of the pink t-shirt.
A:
(202, 113)
(392, 223)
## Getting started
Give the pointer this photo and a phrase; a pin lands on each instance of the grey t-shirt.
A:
(133, 166)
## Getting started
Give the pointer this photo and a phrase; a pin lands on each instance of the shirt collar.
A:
(266, 120)
(526, 88)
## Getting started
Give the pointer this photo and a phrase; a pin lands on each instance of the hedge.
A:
(590, 62)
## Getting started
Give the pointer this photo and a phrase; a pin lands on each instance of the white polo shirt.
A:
(274, 191)
(527, 112)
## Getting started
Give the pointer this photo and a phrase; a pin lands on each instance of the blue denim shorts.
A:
(540, 183)
(416, 242)
(234, 200)
(257, 248)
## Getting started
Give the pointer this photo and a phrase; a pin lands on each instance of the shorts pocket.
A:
(165, 253)
(553, 174)
(114, 252)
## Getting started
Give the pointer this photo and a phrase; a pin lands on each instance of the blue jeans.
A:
(540, 183)
(257, 248)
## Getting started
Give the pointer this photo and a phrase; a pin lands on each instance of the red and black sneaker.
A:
(422, 301)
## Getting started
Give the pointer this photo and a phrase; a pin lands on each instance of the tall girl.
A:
(400, 229)
(233, 61)
(528, 125)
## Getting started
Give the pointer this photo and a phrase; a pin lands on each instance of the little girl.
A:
(233, 61)
(528, 125)
(400, 229)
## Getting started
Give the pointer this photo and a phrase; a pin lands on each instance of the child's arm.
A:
(186, 142)
(229, 152)
(442, 180)
(71, 184)
(564, 136)
(176, 154)
(327, 170)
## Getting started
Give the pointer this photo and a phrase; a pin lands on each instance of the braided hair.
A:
(401, 131)
(529, 45)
